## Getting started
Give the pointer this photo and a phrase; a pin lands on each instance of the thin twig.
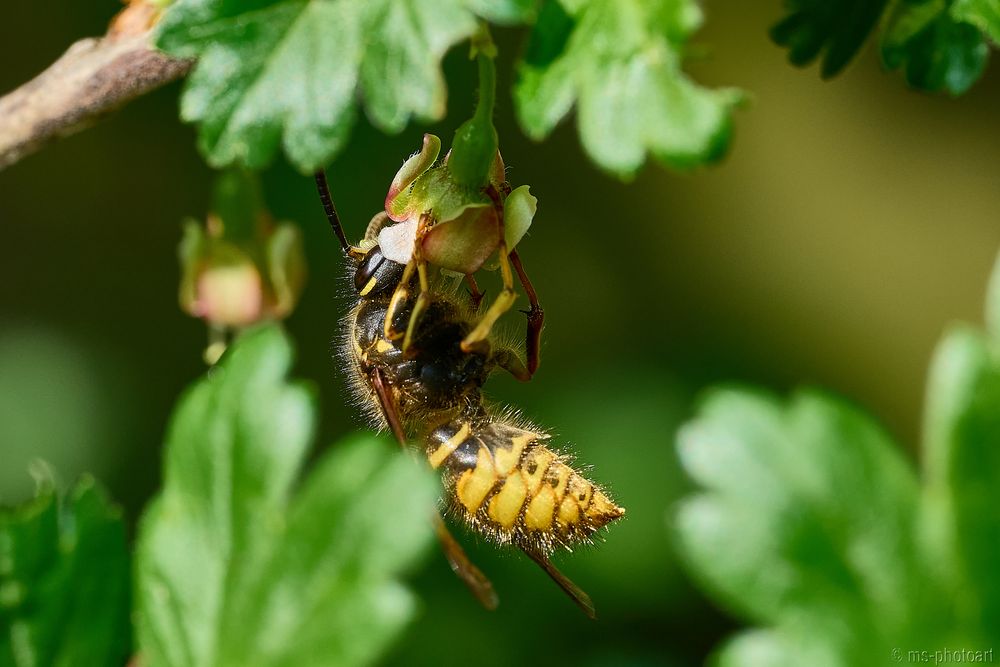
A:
(93, 78)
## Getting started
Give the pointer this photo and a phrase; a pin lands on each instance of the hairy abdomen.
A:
(510, 487)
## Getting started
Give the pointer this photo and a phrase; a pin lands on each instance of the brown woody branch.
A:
(92, 79)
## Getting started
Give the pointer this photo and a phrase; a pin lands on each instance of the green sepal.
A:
(397, 202)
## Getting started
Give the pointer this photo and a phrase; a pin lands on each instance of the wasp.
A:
(500, 476)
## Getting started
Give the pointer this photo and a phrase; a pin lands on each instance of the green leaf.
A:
(936, 50)
(962, 458)
(619, 62)
(289, 72)
(64, 585)
(792, 646)
(810, 523)
(838, 27)
(506, 11)
(806, 521)
(984, 14)
(236, 566)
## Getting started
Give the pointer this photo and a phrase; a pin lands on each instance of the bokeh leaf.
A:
(806, 521)
(505, 11)
(837, 28)
(941, 45)
(962, 461)
(236, 567)
(810, 523)
(619, 62)
(984, 14)
(936, 50)
(289, 72)
(64, 580)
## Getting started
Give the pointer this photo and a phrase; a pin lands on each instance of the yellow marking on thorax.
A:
(507, 458)
(538, 516)
(448, 447)
(474, 485)
(506, 505)
(535, 465)
(369, 286)
(382, 346)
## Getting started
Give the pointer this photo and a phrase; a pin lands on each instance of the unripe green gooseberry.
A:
(475, 146)
(473, 151)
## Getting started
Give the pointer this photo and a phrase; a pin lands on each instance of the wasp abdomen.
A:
(504, 482)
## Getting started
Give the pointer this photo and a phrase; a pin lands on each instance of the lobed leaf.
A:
(935, 50)
(619, 63)
(835, 28)
(806, 521)
(64, 589)
(811, 525)
(289, 73)
(962, 460)
(984, 14)
(236, 566)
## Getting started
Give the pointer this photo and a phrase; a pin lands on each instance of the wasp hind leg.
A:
(509, 360)
(575, 593)
(478, 583)
(473, 578)
(536, 317)
(475, 295)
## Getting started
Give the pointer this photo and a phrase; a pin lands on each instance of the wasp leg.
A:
(574, 592)
(478, 583)
(423, 297)
(399, 297)
(509, 360)
(475, 296)
(536, 316)
(502, 304)
(473, 578)
(375, 225)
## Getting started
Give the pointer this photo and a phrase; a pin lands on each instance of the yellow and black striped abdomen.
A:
(510, 487)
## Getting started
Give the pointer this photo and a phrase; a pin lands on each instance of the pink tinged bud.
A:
(464, 243)
(230, 295)
(518, 211)
(397, 202)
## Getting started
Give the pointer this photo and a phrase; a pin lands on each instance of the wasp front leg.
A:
(501, 305)
(400, 297)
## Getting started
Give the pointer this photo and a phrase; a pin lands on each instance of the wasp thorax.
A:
(376, 273)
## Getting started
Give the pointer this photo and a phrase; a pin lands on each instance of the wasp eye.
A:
(376, 273)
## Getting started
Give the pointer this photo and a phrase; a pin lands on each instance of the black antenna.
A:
(331, 212)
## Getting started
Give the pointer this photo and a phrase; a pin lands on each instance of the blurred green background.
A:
(852, 221)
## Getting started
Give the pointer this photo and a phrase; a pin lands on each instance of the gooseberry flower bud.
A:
(240, 267)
